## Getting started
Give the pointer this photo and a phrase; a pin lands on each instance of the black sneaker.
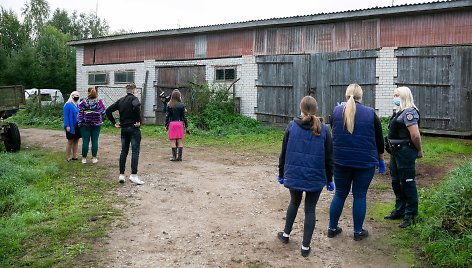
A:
(394, 215)
(334, 232)
(407, 221)
(359, 236)
(305, 252)
(282, 238)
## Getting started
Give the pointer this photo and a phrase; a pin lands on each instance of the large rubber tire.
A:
(12, 138)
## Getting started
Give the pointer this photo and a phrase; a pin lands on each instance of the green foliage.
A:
(446, 226)
(35, 54)
(48, 116)
(46, 207)
(212, 113)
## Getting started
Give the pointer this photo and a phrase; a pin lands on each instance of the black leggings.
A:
(311, 198)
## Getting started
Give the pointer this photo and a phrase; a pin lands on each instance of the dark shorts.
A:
(75, 136)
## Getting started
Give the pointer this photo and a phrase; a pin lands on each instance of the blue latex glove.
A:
(330, 186)
(280, 180)
(381, 166)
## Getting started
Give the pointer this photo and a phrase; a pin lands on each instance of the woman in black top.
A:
(175, 120)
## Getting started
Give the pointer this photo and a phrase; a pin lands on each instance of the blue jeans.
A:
(360, 180)
(129, 135)
(311, 198)
(90, 133)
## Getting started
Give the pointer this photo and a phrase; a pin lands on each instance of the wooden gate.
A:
(331, 73)
(440, 79)
(171, 77)
(283, 80)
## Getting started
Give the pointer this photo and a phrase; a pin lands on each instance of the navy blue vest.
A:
(358, 149)
(304, 168)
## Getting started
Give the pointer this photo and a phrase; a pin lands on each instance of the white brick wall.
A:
(386, 71)
(245, 88)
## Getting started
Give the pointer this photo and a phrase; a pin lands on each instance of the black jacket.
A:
(176, 113)
(129, 108)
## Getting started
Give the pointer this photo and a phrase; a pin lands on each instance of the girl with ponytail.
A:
(305, 165)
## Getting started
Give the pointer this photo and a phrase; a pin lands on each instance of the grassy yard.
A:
(50, 210)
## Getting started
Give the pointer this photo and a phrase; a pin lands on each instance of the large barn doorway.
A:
(284, 79)
(169, 78)
(440, 79)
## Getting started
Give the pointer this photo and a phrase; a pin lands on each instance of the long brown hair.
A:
(92, 93)
(308, 107)
(174, 98)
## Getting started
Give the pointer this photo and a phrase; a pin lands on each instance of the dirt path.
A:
(216, 209)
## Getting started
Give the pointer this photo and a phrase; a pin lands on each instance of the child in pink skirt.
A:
(176, 120)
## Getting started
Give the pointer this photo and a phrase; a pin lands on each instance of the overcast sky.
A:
(150, 15)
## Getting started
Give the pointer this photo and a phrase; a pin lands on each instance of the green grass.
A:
(436, 149)
(50, 210)
(446, 226)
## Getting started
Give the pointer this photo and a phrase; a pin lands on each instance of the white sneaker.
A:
(94, 160)
(122, 178)
(84, 160)
(134, 178)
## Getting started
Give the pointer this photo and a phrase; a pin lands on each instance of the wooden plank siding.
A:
(447, 28)
(427, 30)
(440, 80)
(230, 44)
(308, 39)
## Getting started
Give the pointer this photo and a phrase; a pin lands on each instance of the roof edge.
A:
(316, 18)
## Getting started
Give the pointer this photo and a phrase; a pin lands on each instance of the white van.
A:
(48, 95)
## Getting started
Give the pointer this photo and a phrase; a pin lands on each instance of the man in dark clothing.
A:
(129, 109)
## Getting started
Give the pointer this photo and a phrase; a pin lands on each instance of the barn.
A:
(271, 64)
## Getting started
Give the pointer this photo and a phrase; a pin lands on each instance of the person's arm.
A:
(184, 117)
(166, 124)
(282, 154)
(109, 112)
(101, 107)
(137, 109)
(67, 119)
(80, 116)
(416, 138)
(379, 140)
(329, 162)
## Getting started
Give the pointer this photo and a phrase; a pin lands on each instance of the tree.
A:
(60, 19)
(12, 36)
(36, 14)
(56, 60)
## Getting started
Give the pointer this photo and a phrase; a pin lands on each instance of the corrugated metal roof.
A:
(295, 20)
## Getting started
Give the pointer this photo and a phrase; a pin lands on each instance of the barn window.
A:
(225, 74)
(124, 77)
(97, 78)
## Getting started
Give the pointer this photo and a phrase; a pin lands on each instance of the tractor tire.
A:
(12, 138)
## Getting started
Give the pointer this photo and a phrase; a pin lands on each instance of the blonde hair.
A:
(308, 107)
(92, 92)
(174, 98)
(406, 99)
(353, 94)
(71, 98)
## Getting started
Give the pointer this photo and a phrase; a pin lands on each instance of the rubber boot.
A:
(181, 151)
(174, 154)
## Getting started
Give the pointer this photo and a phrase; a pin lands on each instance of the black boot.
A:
(174, 154)
(179, 157)
(407, 221)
